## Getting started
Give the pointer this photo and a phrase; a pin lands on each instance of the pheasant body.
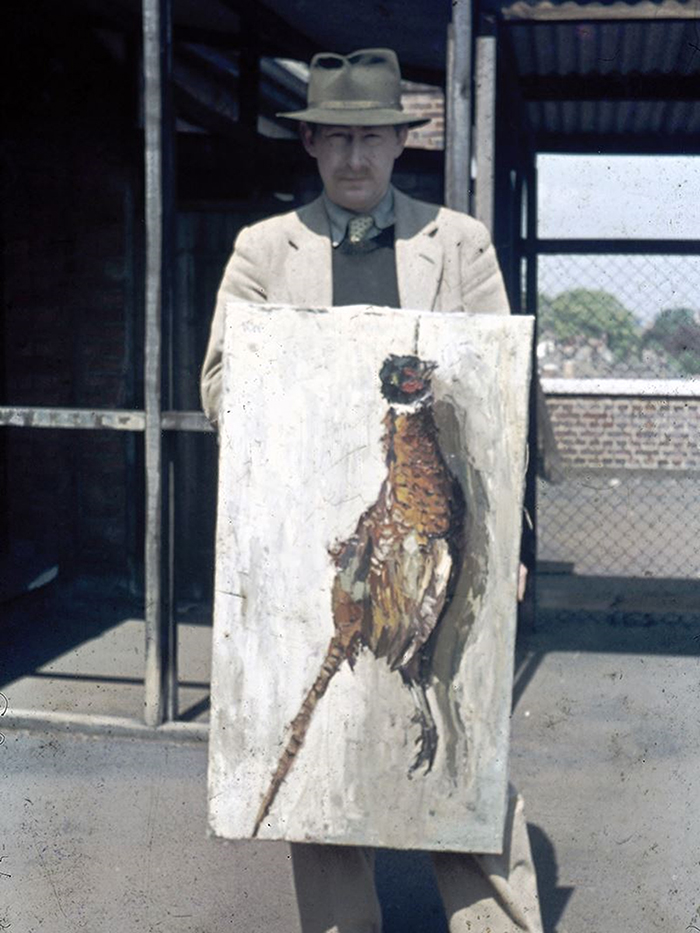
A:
(394, 571)
(395, 574)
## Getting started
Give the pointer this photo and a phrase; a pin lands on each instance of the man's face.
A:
(355, 162)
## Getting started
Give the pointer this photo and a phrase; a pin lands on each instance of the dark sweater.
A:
(366, 274)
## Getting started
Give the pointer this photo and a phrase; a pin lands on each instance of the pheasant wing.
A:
(351, 593)
(408, 594)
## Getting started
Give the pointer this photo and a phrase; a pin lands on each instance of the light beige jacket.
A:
(444, 262)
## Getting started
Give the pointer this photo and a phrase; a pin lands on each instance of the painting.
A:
(370, 497)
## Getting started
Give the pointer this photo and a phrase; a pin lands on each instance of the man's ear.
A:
(401, 137)
(306, 134)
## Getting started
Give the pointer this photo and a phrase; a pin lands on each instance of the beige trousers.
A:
(481, 893)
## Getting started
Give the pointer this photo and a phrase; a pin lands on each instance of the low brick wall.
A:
(624, 433)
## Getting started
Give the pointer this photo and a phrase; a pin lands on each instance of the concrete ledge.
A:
(617, 594)
(642, 388)
(85, 724)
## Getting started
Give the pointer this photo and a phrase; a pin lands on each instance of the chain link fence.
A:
(619, 316)
(619, 359)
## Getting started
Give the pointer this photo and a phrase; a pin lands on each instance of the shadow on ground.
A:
(409, 893)
(42, 625)
(607, 631)
(553, 898)
(410, 898)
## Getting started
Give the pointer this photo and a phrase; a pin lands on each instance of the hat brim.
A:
(352, 117)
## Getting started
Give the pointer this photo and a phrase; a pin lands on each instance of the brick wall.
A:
(420, 101)
(65, 326)
(623, 433)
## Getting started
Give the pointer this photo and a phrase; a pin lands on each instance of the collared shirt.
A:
(382, 214)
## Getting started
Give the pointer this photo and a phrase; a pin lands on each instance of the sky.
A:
(649, 197)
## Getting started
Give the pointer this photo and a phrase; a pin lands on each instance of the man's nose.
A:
(356, 154)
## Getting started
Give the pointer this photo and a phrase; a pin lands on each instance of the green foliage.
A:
(676, 333)
(581, 316)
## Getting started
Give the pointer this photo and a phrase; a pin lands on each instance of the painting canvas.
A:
(370, 497)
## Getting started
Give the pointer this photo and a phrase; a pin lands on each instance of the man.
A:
(364, 242)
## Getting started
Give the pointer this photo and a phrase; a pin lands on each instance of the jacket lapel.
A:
(419, 254)
(308, 268)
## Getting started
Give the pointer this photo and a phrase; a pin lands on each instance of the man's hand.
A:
(522, 582)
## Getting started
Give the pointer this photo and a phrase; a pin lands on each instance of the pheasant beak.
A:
(411, 386)
(416, 380)
(412, 380)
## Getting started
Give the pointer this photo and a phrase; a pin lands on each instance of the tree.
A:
(676, 332)
(582, 316)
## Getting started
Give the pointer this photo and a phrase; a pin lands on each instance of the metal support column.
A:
(538, 419)
(531, 238)
(485, 143)
(160, 674)
(516, 237)
(458, 107)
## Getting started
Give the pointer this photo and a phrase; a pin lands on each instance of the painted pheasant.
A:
(396, 573)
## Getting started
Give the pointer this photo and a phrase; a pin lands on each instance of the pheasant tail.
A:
(335, 655)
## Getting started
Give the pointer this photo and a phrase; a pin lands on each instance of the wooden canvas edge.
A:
(491, 843)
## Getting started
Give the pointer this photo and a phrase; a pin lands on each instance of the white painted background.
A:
(301, 459)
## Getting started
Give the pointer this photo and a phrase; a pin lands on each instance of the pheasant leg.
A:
(428, 739)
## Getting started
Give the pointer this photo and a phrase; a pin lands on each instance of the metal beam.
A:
(627, 144)
(169, 656)
(156, 64)
(485, 143)
(98, 419)
(531, 239)
(603, 247)
(609, 87)
(185, 421)
(516, 215)
(81, 418)
(458, 107)
(536, 423)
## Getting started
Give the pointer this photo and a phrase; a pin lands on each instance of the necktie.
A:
(359, 227)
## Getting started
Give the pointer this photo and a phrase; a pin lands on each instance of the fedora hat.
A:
(359, 89)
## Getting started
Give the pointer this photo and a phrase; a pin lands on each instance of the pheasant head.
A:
(406, 380)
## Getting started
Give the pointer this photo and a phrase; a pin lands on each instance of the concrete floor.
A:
(605, 749)
(102, 833)
(85, 653)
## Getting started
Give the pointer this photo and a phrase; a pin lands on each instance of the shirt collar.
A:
(382, 214)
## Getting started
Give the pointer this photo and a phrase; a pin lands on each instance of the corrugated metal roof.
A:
(609, 84)
(669, 119)
(614, 75)
(654, 47)
(593, 75)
